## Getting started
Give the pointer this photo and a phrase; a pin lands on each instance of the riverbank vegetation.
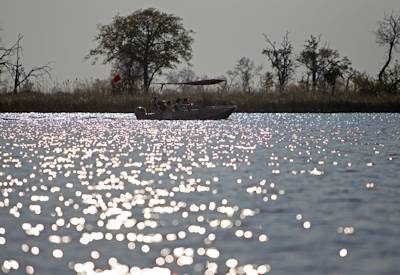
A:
(292, 99)
(149, 45)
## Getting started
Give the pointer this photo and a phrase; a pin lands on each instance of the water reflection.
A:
(112, 195)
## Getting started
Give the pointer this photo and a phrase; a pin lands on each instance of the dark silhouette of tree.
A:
(281, 59)
(246, 70)
(231, 79)
(147, 39)
(130, 73)
(311, 58)
(336, 69)
(18, 72)
(364, 84)
(266, 81)
(391, 78)
(349, 76)
(388, 35)
(324, 65)
(5, 54)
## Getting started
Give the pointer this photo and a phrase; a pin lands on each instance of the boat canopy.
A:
(195, 83)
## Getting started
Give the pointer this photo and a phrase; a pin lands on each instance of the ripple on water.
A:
(88, 194)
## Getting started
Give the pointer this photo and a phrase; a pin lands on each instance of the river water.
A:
(255, 194)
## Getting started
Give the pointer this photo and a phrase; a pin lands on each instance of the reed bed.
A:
(292, 101)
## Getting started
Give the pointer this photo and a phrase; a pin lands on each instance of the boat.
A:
(192, 113)
(202, 113)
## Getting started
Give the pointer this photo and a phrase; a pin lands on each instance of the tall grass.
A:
(293, 100)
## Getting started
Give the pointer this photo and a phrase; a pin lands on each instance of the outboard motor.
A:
(140, 112)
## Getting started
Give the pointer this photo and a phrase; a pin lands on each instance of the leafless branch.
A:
(35, 73)
(388, 34)
(389, 30)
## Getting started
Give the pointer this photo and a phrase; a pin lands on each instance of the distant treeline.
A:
(149, 44)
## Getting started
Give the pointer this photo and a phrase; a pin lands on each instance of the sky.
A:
(63, 31)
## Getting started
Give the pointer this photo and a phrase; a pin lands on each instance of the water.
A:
(262, 193)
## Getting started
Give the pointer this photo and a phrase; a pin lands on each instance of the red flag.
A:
(116, 79)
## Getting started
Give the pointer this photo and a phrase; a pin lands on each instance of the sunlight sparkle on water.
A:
(111, 195)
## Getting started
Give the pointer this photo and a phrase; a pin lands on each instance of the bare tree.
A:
(231, 79)
(348, 76)
(281, 59)
(5, 54)
(18, 71)
(266, 81)
(246, 70)
(388, 35)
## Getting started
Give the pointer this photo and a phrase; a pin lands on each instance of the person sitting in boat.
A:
(162, 106)
(187, 105)
(178, 105)
(154, 105)
(170, 108)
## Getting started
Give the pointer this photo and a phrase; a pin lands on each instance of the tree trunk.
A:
(146, 83)
(346, 89)
(314, 81)
(348, 82)
(382, 72)
(16, 80)
(281, 83)
(16, 77)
